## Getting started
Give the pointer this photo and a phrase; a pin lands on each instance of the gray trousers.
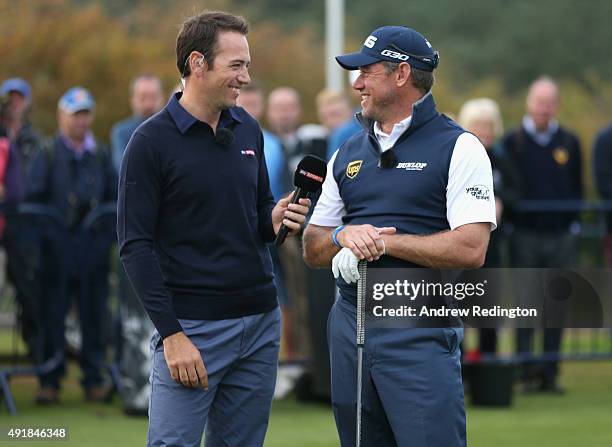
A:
(241, 357)
(541, 249)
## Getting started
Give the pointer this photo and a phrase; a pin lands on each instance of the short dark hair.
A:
(420, 79)
(200, 33)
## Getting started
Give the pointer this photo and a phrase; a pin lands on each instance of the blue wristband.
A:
(335, 236)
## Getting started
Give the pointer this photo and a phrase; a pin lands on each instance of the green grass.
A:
(583, 417)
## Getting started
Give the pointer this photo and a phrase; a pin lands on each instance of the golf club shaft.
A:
(359, 380)
(361, 296)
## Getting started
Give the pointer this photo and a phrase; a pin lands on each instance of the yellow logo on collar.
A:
(353, 168)
(561, 155)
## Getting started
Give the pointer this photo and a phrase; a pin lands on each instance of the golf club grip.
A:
(361, 298)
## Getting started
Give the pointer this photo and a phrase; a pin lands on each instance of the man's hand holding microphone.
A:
(290, 213)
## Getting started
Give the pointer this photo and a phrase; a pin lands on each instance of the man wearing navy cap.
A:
(400, 196)
(74, 175)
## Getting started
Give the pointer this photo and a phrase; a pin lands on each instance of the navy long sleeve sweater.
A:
(194, 217)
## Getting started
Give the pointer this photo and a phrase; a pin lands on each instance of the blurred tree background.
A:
(488, 47)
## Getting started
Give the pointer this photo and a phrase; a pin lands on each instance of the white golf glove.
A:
(345, 264)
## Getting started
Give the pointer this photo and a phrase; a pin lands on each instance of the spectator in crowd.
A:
(74, 175)
(146, 98)
(349, 128)
(284, 114)
(12, 100)
(373, 209)
(253, 101)
(549, 166)
(602, 168)
(482, 117)
(333, 109)
(21, 234)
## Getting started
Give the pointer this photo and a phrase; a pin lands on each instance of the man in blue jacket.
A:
(195, 212)
(412, 189)
(146, 99)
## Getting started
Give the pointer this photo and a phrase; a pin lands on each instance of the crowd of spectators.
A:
(58, 249)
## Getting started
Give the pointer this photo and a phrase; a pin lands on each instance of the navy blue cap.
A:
(75, 100)
(16, 85)
(393, 44)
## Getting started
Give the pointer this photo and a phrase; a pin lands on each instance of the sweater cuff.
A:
(168, 327)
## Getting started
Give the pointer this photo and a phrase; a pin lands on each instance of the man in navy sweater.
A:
(411, 189)
(194, 214)
(549, 165)
(602, 168)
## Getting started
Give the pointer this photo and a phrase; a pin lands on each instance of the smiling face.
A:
(378, 91)
(229, 72)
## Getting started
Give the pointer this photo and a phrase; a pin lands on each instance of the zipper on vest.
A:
(374, 142)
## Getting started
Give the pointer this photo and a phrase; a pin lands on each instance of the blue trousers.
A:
(241, 357)
(76, 266)
(412, 394)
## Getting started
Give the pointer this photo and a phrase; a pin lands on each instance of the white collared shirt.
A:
(469, 166)
(386, 141)
(542, 137)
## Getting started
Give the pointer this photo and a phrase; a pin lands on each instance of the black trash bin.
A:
(491, 383)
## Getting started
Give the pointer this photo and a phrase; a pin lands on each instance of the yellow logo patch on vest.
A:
(353, 168)
(561, 155)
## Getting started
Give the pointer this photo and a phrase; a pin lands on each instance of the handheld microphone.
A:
(309, 176)
(224, 137)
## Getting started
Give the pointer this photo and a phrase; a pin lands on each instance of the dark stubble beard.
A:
(378, 108)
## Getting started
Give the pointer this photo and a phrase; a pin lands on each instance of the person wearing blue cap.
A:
(26, 141)
(401, 194)
(18, 95)
(74, 175)
(21, 237)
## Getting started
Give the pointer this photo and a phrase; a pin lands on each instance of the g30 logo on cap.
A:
(353, 168)
(370, 41)
(395, 55)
